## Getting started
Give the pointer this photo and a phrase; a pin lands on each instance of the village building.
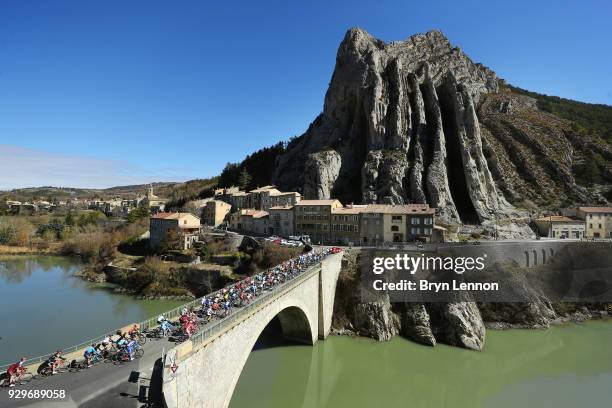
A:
(261, 198)
(152, 202)
(215, 212)
(396, 223)
(238, 200)
(560, 226)
(598, 220)
(344, 225)
(250, 221)
(281, 221)
(312, 218)
(184, 226)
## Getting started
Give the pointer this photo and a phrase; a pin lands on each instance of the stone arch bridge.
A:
(203, 372)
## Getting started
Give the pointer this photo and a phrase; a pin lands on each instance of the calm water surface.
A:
(45, 308)
(569, 366)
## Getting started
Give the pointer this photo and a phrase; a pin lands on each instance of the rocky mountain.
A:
(418, 121)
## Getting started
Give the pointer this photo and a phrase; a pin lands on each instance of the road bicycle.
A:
(23, 378)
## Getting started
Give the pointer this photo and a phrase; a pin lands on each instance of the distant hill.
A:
(162, 189)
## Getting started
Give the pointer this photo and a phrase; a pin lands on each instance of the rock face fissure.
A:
(399, 125)
(457, 180)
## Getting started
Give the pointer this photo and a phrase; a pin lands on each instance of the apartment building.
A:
(598, 220)
(186, 226)
(281, 221)
(215, 212)
(312, 217)
(560, 226)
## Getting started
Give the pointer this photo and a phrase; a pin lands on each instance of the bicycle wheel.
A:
(63, 369)
(138, 353)
(141, 340)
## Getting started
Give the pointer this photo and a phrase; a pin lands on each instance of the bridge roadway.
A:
(130, 384)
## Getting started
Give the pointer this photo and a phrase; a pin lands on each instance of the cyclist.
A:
(54, 361)
(89, 354)
(15, 370)
(129, 348)
(133, 332)
(104, 345)
(165, 327)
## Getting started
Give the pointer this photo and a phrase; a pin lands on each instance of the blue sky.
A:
(95, 94)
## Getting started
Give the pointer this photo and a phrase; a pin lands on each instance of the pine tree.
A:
(245, 179)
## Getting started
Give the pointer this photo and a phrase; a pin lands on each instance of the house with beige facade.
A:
(598, 220)
(185, 227)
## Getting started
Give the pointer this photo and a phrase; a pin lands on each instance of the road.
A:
(104, 385)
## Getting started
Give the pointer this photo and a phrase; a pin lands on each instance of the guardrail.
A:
(171, 315)
(237, 316)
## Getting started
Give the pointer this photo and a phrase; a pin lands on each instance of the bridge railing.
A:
(213, 330)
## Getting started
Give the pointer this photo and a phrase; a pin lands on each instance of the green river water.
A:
(568, 366)
(44, 307)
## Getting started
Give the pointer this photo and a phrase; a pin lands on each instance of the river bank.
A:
(30, 250)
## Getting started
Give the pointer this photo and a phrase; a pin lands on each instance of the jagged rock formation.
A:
(399, 125)
(418, 121)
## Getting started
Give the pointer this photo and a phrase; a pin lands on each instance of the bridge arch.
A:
(543, 256)
(527, 259)
(535, 258)
(296, 325)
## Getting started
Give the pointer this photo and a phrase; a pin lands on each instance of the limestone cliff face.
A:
(399, 125)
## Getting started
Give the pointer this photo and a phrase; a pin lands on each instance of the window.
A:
(416, 231)
(396, 218)
(428, 221)
(394, 228)
(415, 221)
(427, 231)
